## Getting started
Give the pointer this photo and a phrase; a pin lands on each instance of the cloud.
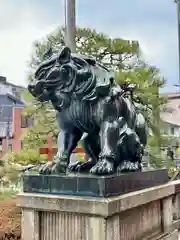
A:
(160, 50)
(151, 22)
(19, 28)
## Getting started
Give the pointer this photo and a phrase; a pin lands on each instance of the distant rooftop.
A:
(171, 95)
(4, 81)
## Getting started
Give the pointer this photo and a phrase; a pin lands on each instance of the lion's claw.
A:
(46, 168)
(128, 166)
(53, 168)
(81, 166)
(74, 166)
(103, 167)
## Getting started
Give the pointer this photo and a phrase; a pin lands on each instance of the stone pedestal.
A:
(143, 214)
(93, 186)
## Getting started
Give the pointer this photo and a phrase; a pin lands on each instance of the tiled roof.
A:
(14, 98)
(4, 81)
(3, 129)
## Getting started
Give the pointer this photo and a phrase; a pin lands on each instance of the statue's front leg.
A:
(67, 142)
(91, 146)
(107, 159)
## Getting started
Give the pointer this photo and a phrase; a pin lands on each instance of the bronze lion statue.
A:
(87, 100)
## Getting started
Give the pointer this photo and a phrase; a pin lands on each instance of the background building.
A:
(7, 87)
(171, 115)
(12, 121)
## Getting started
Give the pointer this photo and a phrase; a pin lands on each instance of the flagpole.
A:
(70, 24)
(178, 21)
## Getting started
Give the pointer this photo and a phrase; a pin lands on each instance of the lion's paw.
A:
(53, 168)
(46, 168)
(103, 167)
(128, 166)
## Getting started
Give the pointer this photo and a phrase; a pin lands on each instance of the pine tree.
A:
(123, 56)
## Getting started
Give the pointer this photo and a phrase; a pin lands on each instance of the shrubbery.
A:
(26, 157)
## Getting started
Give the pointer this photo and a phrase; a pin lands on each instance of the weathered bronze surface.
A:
(87, 100)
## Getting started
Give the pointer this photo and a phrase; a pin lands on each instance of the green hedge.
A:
(26, 157)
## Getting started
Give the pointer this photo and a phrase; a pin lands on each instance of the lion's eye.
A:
(63, 71)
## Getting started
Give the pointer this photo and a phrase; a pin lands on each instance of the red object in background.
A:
(43, 151)
(50, 147)
(52, 151)
(16, 144)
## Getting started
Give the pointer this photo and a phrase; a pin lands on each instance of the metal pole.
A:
(70, 24)
(7, 136)
(178, 18)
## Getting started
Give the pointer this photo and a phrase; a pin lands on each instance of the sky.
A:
(152, 22)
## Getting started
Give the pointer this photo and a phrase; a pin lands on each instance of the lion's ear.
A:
(48, 52)
(64, 55)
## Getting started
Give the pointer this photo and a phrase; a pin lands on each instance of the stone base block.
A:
(140, 215)
(93, 186)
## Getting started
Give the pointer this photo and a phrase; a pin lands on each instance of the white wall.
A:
(5, 89)
(172, 130)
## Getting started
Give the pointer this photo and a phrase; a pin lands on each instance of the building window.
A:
(24, 121)
(9, 147)
(0, 145)
(172, 130)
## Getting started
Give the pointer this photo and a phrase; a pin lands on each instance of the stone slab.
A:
(177, 186)
(94, 206)
(93, 186)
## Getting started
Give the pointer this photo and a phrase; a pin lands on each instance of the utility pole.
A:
(178, 21)
(7, 135)
(70, 24)
(157, 118)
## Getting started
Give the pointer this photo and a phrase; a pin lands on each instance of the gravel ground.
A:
(10, 219)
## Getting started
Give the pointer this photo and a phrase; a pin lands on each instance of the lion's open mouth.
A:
(39, 91)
